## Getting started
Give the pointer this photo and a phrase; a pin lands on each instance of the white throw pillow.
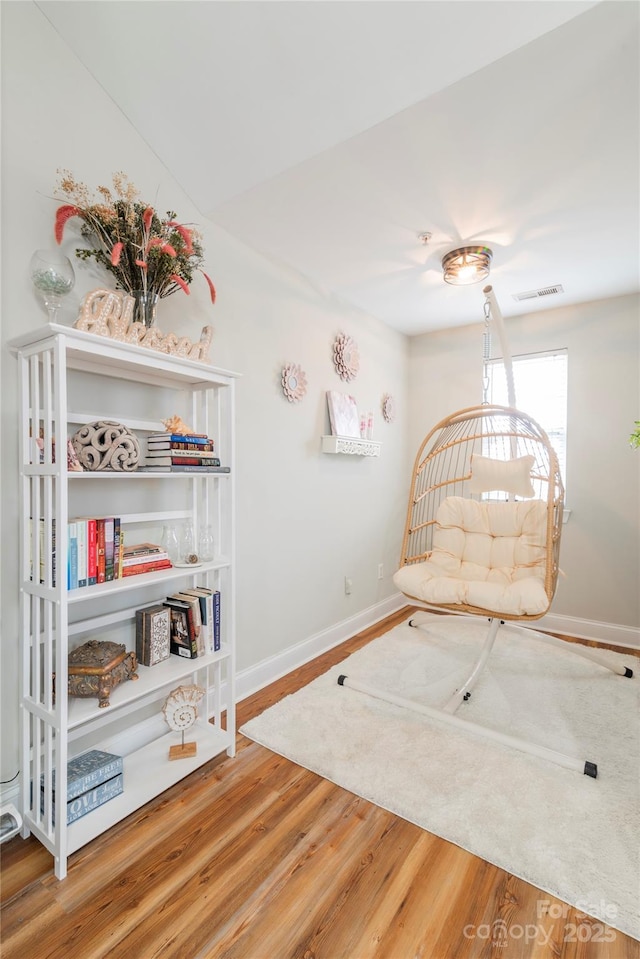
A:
(508, 476)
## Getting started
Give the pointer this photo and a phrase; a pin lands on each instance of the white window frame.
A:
(535, 402)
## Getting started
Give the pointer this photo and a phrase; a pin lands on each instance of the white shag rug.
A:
(575, 837)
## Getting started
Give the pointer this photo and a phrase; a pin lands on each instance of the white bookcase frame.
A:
(54, 619)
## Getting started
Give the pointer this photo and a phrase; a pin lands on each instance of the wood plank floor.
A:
(257, 858)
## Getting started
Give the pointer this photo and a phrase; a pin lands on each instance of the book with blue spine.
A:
(216, 620)
(198, 438)
(72, 556)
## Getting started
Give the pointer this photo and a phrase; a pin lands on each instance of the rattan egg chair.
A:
(482, 538)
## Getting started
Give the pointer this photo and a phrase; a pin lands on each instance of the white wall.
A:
(600, 552)
(305, 519)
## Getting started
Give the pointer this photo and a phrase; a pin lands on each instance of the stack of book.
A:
(92, 779)
(182, 453)
(144, 558)
(194, 621)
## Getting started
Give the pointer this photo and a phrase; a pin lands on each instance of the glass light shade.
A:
(469, 264)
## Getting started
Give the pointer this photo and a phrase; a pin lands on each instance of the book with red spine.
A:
(92, 553)
(185, 447)
(145, 568)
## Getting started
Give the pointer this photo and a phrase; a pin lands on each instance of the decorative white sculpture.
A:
(110, 313)
(180, 712)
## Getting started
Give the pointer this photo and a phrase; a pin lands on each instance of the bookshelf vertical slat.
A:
(25, 559)
(228, 397)
(58, 748)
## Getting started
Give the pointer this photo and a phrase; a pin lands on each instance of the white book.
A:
(203, 592)
(83, 552)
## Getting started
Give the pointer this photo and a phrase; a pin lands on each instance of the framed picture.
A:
(343, 414)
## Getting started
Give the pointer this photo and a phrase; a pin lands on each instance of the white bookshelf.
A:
(55, 620)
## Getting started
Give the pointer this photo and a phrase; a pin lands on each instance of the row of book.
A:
(186, 624)
(182, 453)
(94, 551)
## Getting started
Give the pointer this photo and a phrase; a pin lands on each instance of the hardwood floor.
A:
(257, 858)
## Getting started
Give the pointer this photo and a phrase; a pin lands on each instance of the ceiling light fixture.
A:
(468, 264)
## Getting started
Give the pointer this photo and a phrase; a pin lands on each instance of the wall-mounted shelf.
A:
(351, 445)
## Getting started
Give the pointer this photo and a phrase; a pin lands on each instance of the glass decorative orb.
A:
(53, 277)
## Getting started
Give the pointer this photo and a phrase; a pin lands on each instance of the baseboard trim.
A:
(609, 633)
(254, 678)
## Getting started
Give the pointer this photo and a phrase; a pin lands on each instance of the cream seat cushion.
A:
(488, 555)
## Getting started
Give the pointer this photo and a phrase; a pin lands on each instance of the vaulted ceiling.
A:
(330, 135)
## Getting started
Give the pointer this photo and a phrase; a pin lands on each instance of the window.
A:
(541, 391)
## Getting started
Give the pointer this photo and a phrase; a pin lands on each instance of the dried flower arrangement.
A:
(141, 249)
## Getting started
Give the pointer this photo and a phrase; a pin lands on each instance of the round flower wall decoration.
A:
(346, 357)
(294, 382)
(388, 408)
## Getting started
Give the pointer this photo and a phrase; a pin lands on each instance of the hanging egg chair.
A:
(482, 538)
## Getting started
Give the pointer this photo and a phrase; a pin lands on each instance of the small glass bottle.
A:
(206, 552)
(170, 542)
(188, 552)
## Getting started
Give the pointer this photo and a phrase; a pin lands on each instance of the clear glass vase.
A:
(171, 543)
(188, 553)
(53, 277)
(144, 307)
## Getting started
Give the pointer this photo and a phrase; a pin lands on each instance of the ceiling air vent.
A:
(535, 294)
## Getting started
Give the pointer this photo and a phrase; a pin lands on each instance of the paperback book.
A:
(182, 461)
(182, 641)
(179, 437)
(182, 468)
(174, 445)
(200, 453)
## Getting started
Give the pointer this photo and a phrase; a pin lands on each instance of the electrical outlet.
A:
(348, 586)
(380, 571)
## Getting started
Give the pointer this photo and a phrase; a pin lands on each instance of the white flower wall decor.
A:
(294, 382)
(346, 357)
(388, 408)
